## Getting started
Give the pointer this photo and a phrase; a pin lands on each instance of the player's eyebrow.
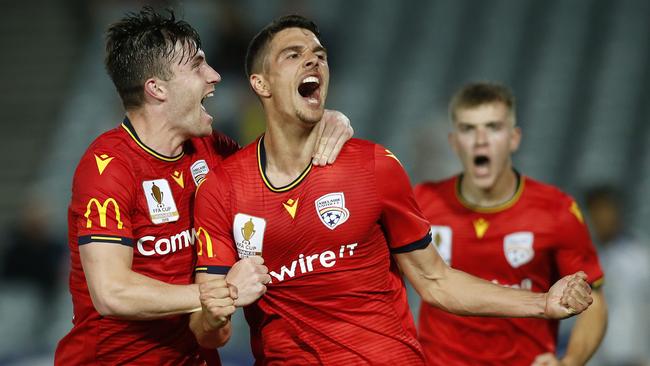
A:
(297, 48)
(198, 59)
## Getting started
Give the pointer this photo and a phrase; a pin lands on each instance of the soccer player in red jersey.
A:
(506, 228)
(131, 230)
(329, 235)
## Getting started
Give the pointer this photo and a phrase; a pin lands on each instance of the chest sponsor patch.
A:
(248, 232)
(331, 210)
(441, 237)
(518, 248)
(162, 207)
(199, 170)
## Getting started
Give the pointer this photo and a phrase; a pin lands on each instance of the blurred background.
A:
(580, 70)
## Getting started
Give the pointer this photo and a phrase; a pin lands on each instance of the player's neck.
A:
(503, 189)
(156, 133)
(289, 148)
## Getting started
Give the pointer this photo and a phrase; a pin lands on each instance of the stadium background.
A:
(580, 70)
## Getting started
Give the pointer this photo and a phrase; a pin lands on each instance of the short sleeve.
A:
(404, 225)
(214, 244)
(102, 199)
(576, 252)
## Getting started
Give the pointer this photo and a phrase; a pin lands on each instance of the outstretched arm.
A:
(460, 293)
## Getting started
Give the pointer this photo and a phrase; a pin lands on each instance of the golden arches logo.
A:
(208, 242)
(102, 208)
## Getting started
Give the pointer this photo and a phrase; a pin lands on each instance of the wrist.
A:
(544, 311)
(210, 325)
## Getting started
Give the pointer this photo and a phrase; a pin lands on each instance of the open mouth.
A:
(209, 95)
(309, 89)
(481, 160)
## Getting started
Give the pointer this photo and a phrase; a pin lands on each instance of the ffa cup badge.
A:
(160, 200)
(248, 232)
(441, 238)
(518, 248)
(331, 210)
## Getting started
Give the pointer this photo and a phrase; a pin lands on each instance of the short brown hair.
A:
(143, 45)
(258, 46)
(476, 94)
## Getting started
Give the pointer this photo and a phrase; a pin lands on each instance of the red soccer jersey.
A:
(529, 242)
(335, 297)
(124, 193)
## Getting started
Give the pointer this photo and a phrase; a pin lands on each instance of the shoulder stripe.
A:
(420, 244)
(87, 239)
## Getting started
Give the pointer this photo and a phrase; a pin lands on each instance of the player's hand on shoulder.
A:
(217, 301)
(569, 296)
(547, 359)
(334, 131)
(250, 276)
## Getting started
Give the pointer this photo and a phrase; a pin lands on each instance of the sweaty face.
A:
(192, 83)
(484, 137)
(297, 74)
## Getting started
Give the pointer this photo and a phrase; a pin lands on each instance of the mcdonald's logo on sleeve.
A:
(208, 242)
(102, 211)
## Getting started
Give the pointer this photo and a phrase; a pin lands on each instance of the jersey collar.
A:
(261, 163)
(521, 182)
(126, 124)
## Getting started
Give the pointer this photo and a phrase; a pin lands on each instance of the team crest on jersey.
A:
(518, 248)
(441, 238)
(331, 210)
(162, 207)
(199, 170)
(248, 232)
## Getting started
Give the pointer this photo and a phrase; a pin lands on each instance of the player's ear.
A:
(515, 139)
(156, 89)
(259, 85)
(451, 138)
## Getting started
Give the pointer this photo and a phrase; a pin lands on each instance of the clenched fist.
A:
(218, 302)
(250, 276)
(569, 296)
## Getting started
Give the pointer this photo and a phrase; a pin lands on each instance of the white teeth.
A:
(311, 79)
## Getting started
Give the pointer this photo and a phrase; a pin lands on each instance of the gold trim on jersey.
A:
(521, 182)
(598, 283)
(96, 237)
(131, 131)
(261, 163)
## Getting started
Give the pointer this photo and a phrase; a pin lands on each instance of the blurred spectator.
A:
(626, 262)
(32, 255)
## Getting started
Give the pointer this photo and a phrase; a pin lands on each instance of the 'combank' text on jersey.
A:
(124, 193)
(336, 297)
(529, 242)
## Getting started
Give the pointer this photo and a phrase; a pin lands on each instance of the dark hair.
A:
(257, 47)
(142, 45)
(476, 94)
(602, 193)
